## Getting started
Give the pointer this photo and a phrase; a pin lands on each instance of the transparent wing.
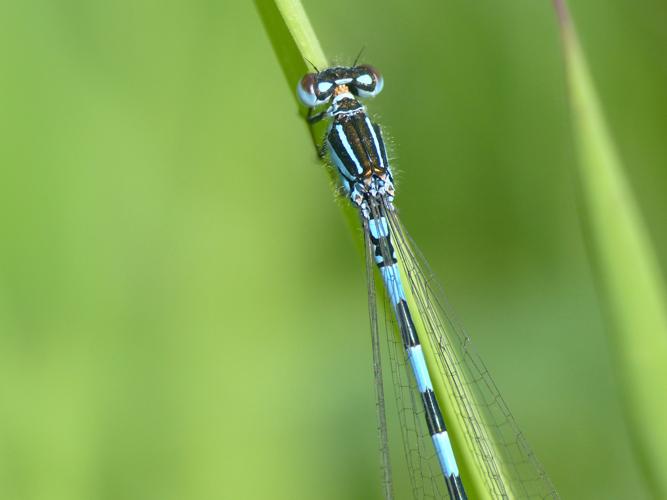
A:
(387, 482)
(419, 458)
(500, 452)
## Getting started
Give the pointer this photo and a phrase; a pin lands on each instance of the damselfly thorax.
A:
(355, 143)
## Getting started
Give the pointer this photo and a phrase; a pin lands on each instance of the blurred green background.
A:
(182, 305)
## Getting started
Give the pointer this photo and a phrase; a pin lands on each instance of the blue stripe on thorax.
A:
(348, 148)
(340, 166)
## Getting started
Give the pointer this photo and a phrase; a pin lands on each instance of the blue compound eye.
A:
(313, 92)
(369, 82)
(306, 90)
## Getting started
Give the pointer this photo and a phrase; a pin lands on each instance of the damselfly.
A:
(496, 456)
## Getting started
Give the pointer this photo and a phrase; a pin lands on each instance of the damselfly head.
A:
(315, 89)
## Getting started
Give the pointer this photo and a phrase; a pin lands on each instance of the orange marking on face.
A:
(341, 89)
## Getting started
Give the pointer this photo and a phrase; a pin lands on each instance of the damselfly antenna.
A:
(356, 60)
(311, 63)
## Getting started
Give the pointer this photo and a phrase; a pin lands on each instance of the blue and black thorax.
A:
(354, 142)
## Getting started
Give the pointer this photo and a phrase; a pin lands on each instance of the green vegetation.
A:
(628, 269)
(182, 308)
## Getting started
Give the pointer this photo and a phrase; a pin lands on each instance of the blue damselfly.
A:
(485, 430)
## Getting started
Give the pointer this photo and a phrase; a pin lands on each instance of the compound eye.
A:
(306, 90)
(369, 83)
(312, 91)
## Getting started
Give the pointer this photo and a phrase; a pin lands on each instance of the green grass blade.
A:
(296, 46)
(295, 43)
(629, 274)
(292, 37)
